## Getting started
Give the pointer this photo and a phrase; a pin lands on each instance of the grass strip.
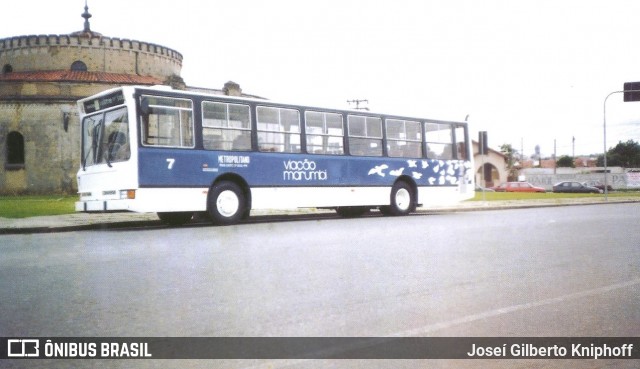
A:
(506, 196)
(25, 206)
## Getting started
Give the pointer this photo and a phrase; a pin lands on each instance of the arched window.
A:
(15, 151)
(79, 66)
(7, 69)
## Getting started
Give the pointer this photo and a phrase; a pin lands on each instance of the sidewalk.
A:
(104, 221)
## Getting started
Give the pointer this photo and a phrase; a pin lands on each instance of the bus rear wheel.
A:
(402, 200)
(226, 203)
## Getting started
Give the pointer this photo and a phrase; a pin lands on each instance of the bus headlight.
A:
(127, 194)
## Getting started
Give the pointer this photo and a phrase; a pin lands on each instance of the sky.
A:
(530, 73)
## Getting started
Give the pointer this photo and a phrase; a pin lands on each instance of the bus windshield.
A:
(105, 138)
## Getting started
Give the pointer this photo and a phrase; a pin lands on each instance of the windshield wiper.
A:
(106, 157)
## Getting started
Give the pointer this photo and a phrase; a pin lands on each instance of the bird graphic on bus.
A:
(437, 172)
(378, 170)
(397, 172)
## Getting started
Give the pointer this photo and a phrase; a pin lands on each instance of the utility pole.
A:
(521, 153)
(358, 102)
(555, 158)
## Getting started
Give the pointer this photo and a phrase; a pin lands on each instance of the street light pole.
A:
(633, 96)
(604, 127)
(631, 91)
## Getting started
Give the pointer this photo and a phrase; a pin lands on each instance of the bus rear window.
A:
(439, 139)
(166, 122)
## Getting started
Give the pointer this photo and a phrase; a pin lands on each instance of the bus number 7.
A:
(170, 162)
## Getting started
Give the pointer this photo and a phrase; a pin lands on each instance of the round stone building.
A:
(42, 77)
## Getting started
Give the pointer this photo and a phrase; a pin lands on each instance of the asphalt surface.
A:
(545, 271)
(104, 221)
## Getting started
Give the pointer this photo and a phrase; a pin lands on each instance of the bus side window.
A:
(404, 138)
(324, 133)
(365, 135)
(168, 123)
(226, 126)
(278, 130)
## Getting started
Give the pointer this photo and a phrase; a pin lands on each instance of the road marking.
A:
(425, 330)
(422, 331)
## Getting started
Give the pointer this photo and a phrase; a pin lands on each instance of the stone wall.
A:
(618, 178)
(50, 152)
(100, 54)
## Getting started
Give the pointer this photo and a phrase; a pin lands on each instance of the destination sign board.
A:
(104, 102)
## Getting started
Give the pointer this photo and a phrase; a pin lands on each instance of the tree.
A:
(624, 154)
(510, 157)
(565, 161)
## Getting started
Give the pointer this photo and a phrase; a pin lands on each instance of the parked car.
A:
(574, 187)
(598, 184)
(483, 189)
(518, 187)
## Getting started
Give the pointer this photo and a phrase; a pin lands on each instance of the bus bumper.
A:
(102, 205)
(148, 200)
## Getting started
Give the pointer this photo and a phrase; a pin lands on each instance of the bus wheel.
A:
(227, 203)
(402, 202)
(351, 211)
(175, 218)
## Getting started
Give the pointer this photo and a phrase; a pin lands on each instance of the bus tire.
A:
(175, 218)
(226, 203)
(402, 200)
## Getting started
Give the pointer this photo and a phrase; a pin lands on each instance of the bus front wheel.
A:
(227, 203)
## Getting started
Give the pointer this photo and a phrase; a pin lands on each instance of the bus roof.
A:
(168, 89)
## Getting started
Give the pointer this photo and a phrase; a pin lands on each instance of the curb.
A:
(80, 227)
(488, 207)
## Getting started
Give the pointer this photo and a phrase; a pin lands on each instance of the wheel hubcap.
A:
(227, 203)
(403, 199)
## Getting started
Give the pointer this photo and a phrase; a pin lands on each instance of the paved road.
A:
(566, 271)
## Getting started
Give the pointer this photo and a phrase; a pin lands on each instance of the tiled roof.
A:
(78, 76)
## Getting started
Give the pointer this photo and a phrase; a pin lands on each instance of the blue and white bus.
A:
(177, 153)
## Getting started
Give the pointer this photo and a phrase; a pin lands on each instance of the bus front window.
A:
(105, 138)
(116, 128)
